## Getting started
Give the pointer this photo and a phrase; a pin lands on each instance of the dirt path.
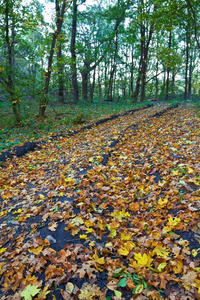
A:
(110, 212)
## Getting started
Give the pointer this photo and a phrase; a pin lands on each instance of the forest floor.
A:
(111, 212)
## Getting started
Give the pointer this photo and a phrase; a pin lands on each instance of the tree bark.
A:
(131, 80)
(10, 76)
(59, 60)
(44, 100)
(168, 69)
(186, 63)
(85, 76)
(190, 77)
(73, 54)
(92, 86)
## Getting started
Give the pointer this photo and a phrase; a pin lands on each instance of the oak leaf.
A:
(189, 278)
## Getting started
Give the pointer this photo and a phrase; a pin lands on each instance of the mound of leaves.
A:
(110, 213)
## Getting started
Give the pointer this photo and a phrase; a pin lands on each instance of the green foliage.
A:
(69, 117)
(79, 119)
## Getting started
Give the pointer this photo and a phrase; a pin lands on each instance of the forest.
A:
(99, 150)
(111, 50)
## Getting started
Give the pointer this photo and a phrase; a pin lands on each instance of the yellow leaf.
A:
(69, 179)
(161, 251)
(143, 260)
(36, 251)
(139, 289)
(2, 250)
(113, 233)
(83, 237)
(161, 266)
(194, 252)
(97, 259)
(29, 292)
(190, 170)
(126, 248)
(163, 202)
(43, 293)
(88, 223)
(89, 230)
(177, 266)
(125, 237)
(118, 294)
(17, 211)
(175, 172)
(77, 221)
(119, 215)
(109, 244)
(173, 222)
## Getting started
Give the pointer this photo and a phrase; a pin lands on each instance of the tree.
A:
(44, 99)
(73, 54)
(8, 80)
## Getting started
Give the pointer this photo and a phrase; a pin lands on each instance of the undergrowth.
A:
(58, 118)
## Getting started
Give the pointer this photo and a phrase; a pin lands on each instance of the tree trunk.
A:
(44, 99)
(190, 77)
(186, 63)
(92, 86)
(131, 81)
(157, 78)
(84, 74)
(168, 69)
(10, 81)
(73, 54)
(59, 60)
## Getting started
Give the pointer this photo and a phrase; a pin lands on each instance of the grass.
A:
(58, 118)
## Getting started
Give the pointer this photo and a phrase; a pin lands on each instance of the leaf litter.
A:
(110, 213)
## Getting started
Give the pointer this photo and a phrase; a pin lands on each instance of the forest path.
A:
(110, 212)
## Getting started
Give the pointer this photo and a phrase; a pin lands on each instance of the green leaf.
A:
(56, 209)
(118, 272)
(122, 282)
(29, 292)
(182, 182)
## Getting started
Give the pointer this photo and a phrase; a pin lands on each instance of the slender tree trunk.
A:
(113, 70)
(144, 62)
(59, 60)
(164, 82)
(44, 100)
(92, 86)
(105, 78)
(73, 54)
(157, 78)
(85, 75)
(168, 69)
(190, 77)
(10, 81)
(186, 63)
(99, 85)
(131, 82)
(173, 83)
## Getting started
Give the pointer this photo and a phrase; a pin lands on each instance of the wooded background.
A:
(105, 49)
